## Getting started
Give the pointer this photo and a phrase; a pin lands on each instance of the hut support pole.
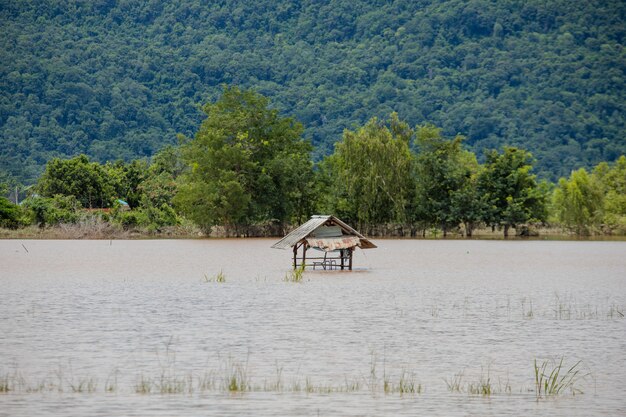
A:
(304, 246)
(350, 259)
(343, 256)
(295, 256)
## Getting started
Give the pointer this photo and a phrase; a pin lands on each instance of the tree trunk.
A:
(506, 230)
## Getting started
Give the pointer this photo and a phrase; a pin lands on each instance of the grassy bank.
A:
(98, 229)
(95, 229)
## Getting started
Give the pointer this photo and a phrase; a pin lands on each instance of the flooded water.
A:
(142, 328)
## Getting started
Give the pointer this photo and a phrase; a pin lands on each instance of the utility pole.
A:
(16, 196)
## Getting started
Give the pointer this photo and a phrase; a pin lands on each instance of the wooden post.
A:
(342, 255)
(295, 256)
(350, 259)
(304, 245)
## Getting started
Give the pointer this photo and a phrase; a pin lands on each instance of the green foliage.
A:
(88, 181)
(577, 202)
(558, 380)
(613, 185)
(4, 183)
(510, 190)
(246, 165)
(49, 211)
(158, 185)
(127, 180)
(446, 181)
(118, 79)
(370, 175)
(147, 217)
(296, 275)
(10, 214)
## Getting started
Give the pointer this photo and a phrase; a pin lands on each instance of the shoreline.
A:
(110, 232)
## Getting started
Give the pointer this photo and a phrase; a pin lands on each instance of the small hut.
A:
(333, 240)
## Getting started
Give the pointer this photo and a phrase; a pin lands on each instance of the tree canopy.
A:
(370, 174)
(246, 165)
(119, 79)
(511, 191)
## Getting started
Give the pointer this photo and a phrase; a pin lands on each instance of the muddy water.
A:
(89, 327)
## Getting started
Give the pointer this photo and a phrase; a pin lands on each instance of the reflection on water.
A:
(103, 321)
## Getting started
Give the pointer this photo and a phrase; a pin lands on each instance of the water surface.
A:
(122, 315)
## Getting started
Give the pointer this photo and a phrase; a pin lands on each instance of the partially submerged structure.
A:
(328, 235)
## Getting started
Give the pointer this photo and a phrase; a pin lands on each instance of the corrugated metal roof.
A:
(307, 229)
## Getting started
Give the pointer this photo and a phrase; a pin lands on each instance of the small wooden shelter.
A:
(328, 235)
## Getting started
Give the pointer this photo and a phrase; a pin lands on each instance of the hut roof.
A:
(327, 233)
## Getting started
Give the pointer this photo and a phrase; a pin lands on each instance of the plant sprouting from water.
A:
(556, 380)
(235, 377)
(5, 383)
(143, 385)
(295, 275)
(220, 277)
(454, 384)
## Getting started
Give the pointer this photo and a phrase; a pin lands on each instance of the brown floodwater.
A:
(142, 328)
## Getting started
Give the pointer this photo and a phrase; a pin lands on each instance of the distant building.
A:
(123, 205)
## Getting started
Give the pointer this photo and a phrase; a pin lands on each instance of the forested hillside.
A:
(120, 78)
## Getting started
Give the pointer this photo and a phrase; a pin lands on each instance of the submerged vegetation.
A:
(556, 380)
(248, 172)
(234, 377)
(295, 275)
(220, 277)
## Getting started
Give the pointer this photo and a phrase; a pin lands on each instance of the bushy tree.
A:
(371, 174)
(159, 186)
(10, 214)
(612, 181)
(577, 202)
(510, 190)
(446, 181)
(88, 181)
(246, 164)
(126, 180)
(468, 205)
(50, 211)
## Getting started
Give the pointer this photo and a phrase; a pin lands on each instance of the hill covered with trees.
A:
(119, 79)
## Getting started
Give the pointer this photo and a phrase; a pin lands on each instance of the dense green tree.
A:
(372, 174)
(126, 179)
(468, 205)
(4, 183)
(612, 182)
(159, 186)
(446, 186)
(49, 211)
(88, 181)
(577, 202)
(246, 164)
(510, 189)
(10, 214)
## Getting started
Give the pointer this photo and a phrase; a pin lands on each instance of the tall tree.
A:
(613, 184)
(371, 173)
(87, 181)
(246, 165)
(577, 201)
(510, 189)
(446, 193)
(159, 185)
(468, 204)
